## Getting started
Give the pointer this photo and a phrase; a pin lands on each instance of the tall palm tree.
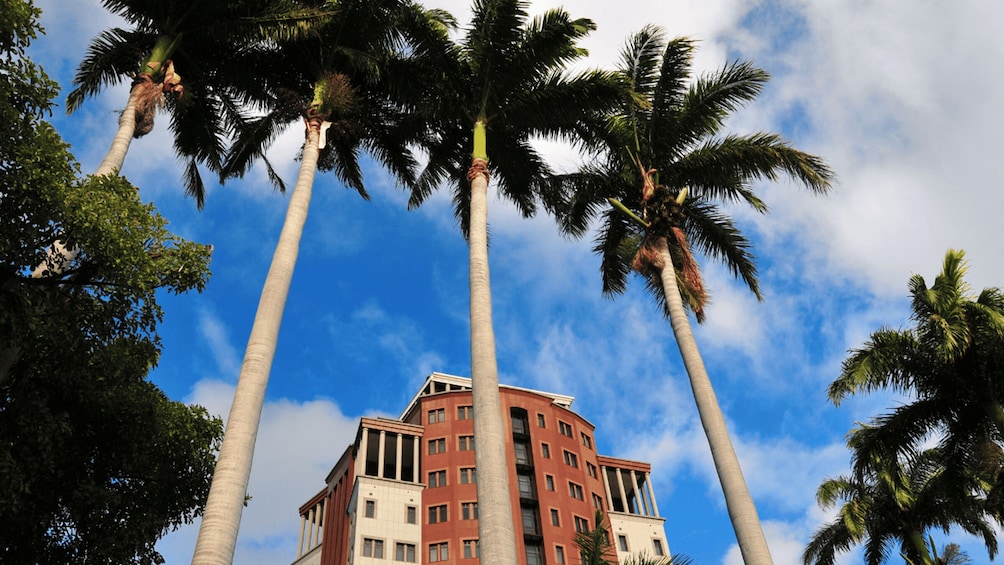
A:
(950, 363)
(171, 38)
(892, 503)
(504, 81)
(667, 137)
(594, 545)
(337, 83)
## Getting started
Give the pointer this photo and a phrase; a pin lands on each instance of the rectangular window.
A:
(522, 453)
(540, 421)
(571, 459)
(411, 514)
(438, 415)
(465, 412)
(437, 514)
(622, 543)
(469, 510)
(587, 441)
(471, 549)
(565, 429)
(405, 552)
(657, 546)
(437, 446)
(591, 469)
(559, 555)
(581, 524)
(438, 552)
(525, 485)
(530, 524)
(555, 520)
(437, 479)
(549, 482)
(545, 450)
(371, 509)
(466, 443)
(468, 476)
(597, 502)
(575, 491)
(534, 554)
(373, 548)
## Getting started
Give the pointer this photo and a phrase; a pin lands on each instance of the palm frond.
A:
(111, 57)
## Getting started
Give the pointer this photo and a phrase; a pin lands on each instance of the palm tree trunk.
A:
(495, 526)
(115, 158)
(742, 511)
(221, 520)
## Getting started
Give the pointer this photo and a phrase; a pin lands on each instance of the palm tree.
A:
(174, 37)
(687, 169)
(891, 503)
(337, 83)
(643, 558)
(950, 362)
(504, 80)
(594, 545)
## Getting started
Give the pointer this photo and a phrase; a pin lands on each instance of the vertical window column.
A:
(604, 472)
(416, 448)
(641, 507)
(380, 458)
(400, 453)
(620, 487)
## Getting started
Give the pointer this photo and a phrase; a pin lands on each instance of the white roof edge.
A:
(560, 399)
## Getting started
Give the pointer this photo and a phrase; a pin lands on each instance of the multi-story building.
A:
(405, 490)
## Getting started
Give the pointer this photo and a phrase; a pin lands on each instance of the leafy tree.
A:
(667, 137)
(952, 365)
(96, 463)
(594, 546)
(339, 81)
(504, 81)
(644, 558)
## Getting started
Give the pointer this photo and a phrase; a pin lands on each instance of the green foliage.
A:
(951, 365)
(594, 546)
(96, 463)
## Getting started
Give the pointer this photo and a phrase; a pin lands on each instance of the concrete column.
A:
(364, 446)
(606, 487)
(400, 454)
(620, 485)
(639, 497)
(651, 494)
(299, 544)
(417, 448)
(310, 533)
(380, 458)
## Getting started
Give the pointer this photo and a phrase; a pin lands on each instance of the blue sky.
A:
(903, 100)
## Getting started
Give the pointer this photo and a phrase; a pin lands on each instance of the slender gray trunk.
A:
(495, 525)
(742, 511)
(218, 532)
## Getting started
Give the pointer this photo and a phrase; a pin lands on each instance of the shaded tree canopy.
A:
(96, 463)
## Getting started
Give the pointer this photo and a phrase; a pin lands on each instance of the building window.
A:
(371, 509)
(373, 548)
(404, 552)
(549, 482)
(597, 502)
(522, 453)
(559, 555)
(469, 510)
(438, 552)
(591, 469)
(575, 490)
(657, 546)
(410, 514)
(437, 514)
(571, 459)
(540, 421)
(622, 543)
(466, 443)
(545, 450)
(471, 549)
(581, 524)
(534, 554)
(555, 520)
(468, 476)
(565, 429)
(437, 479)
(438, 415)
(587, 441)
(525, 485)
(531, 525)
(465, 412)
(437, 446)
